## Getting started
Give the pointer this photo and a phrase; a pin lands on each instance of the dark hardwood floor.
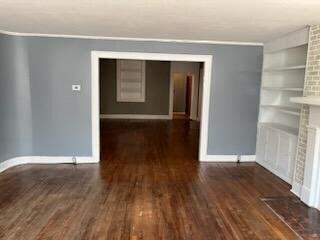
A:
(148, 186)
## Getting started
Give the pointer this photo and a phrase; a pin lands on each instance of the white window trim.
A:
(143, 85)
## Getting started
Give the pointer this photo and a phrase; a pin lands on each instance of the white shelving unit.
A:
(283, 77)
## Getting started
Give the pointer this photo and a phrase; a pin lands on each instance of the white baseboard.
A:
(134, 116)
(13, 162)
(275, 171)
(229, 158)
(296, 188)
(43, 160)
(60, 159)
(247, 158)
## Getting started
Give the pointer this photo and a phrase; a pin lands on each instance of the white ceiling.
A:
(220, 20)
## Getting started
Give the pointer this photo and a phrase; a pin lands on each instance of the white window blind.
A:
(131, 80)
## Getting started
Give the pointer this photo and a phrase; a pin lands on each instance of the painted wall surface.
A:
(157, 90)
(15, 105)
(61, 119)
(179, 92)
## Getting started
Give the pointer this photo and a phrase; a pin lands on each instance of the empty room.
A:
(159, 119)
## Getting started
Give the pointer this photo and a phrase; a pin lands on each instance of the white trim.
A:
(247, 158)
(206, 59)
(204, 123)
(276, 172)
(12, 162)
(296, 188)
(220, 158)
(230, 158)
(59, 160)
(134, 116)
(95, 107)
(131, 39)
(310, 192)
(123, 96)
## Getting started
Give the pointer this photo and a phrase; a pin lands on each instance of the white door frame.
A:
(95, 105)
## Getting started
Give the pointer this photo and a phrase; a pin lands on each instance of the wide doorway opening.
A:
(133, 97)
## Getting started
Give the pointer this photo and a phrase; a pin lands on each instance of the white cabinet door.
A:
(287, 154)
(292, 155)
(283, 161)
(272, 147)
(261, 144)
(276, 152)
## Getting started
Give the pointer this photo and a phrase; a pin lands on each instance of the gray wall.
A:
(157, 90)
(15, 105)
(61, 119)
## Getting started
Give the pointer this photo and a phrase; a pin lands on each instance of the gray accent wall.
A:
(15, 102)
(157, 90)
(37, 73)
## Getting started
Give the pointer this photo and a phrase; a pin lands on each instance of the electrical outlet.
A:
(76, 87)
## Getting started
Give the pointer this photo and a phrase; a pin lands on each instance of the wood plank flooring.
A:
(148, 186)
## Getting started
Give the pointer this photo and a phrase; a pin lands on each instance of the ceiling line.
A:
(130, 39)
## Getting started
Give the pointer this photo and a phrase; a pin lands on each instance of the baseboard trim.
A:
(247, 158)
(12, 162)
(296, 189)
(229, 158)
(275, 171)
(134, 116)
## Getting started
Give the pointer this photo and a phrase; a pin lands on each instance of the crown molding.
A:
(129, 39)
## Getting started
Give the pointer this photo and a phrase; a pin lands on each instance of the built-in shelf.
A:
(287, 48)
(289, 110)
(283, 89)
(285, 68)
(281, 127)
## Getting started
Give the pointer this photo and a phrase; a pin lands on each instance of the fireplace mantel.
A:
(310, 191)
(314, 101)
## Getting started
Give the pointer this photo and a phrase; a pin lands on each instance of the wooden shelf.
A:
(289, 110)
(284, 68)
(281, 127)
(283, 89)
(299, 67)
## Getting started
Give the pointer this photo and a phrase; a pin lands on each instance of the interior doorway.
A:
(207, 61)
(182, 95)
(188, 95)
(187, 90)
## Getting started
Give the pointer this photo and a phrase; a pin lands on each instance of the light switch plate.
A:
(76, 87)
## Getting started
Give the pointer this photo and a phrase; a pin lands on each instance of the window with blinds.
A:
(131, 80)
